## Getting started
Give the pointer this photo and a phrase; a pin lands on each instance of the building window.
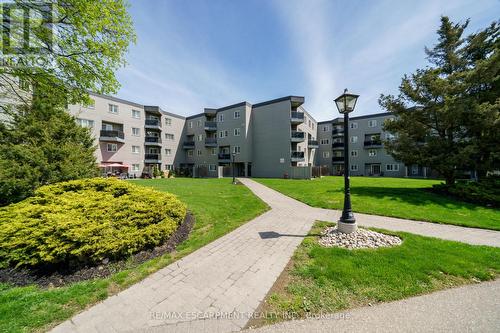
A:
(237, 114)
(112, 147)
(220, 118)
(326, 154)
(200, 137)
(198, 123)
(136, 149)
(214, 151)
(354, 139)
(136, 131)
(312, 125)
(168, 121)
(414, 169)
(190, 124)
(212, 167)
(326, 128)
(236, 149)
(169, 136)
(135, 167)
(223, 134)
(354, 153)
(85, 123)
(324, 141)
(392, 167)
(372, 152)
(237, 132)
(190, 153)
(168, 152)
(353, 125)
(354, 167)
(372, 123)
(198, 152)
(136, 114)
(169, 167)
(113, 108)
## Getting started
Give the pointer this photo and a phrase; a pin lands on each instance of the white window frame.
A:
(113, 150)
(169, 136)
(136, 149)
(353, 125)
(372, 123)
(136, 112)
(168, 121)
(236, 149)
(168, 151)
(220, 117)
(200, 137)
(237, 131)
(353, 139)
(190, 153)
(237, 114)
(324, 142)
(354, 167)
(136, 167)
(326, 154)
(85, 123)
(372, 152)
(190, 125)
(326, 128)
(199, 152)
(354, 153)
(392, 167)
(136, 131)
(113, 108)
(212, 167)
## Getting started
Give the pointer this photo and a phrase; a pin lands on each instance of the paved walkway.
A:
(233, 274)
(474, 308)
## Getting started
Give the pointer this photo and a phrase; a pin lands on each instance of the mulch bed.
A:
(50, 278)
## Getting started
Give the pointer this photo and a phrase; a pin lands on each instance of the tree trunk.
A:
(450, 179)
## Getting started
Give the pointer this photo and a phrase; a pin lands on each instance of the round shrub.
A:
(84, 221)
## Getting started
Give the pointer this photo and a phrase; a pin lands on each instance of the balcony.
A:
(188, 144)
(153, 123)
(338, 145)
(152, 158)
(210, 126)
(152, 141)
(312, 144)
(112, 136)
(297, 136)
(224, 157)
(337, 132)
(210, 112)
(210, 142)
(297, 117)
(297, 156)
(373, 143)
(338, 159)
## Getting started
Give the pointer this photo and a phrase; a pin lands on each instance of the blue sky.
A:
(195, 54)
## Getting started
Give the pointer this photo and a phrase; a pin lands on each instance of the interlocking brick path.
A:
(217, 287)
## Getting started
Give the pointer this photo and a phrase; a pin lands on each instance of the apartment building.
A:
(367, 156)
(276, 138)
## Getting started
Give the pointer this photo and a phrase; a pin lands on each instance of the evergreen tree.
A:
(448, 113)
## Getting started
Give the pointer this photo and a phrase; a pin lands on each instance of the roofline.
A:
(277, 100)
(116, 99)
(373, 115)
(195, 115)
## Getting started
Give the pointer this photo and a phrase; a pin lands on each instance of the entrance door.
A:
(375, 169)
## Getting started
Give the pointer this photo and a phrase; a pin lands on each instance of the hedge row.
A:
(485, 192)
(85, 221)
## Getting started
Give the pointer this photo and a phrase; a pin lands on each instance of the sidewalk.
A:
(217, 288)
(473, 308)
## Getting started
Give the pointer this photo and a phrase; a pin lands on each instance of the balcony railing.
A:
(155, 157)
(373, 143)
(223, 156)
(297, 155)
(337, 145)
(112, 135)
(153, 139)
(337, 131)
(152, 122)
(210, 126)
(188, 144)
(297, 136)
(210, 141)
(338, 159)
(313, 144)
(297, 117)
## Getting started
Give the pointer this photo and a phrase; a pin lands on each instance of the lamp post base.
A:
(347, 228)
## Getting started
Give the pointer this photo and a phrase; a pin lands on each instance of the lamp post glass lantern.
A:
(234, 179)
(345, 104)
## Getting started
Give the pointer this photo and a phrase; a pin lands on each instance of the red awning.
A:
(113, 164)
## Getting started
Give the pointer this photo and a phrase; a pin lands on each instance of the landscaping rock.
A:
(360, 239)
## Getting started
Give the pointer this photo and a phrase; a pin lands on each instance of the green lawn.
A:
(397, 197)
(325, 280)
(219, 207)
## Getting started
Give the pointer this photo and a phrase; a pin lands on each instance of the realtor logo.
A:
(26, 28)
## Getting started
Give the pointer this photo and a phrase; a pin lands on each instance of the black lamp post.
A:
(345, 104)
(234, 180)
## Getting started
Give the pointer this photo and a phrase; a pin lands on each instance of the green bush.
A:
(84, 221)
(486, 192)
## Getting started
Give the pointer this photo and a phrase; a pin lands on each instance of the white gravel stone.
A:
(360, 239)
